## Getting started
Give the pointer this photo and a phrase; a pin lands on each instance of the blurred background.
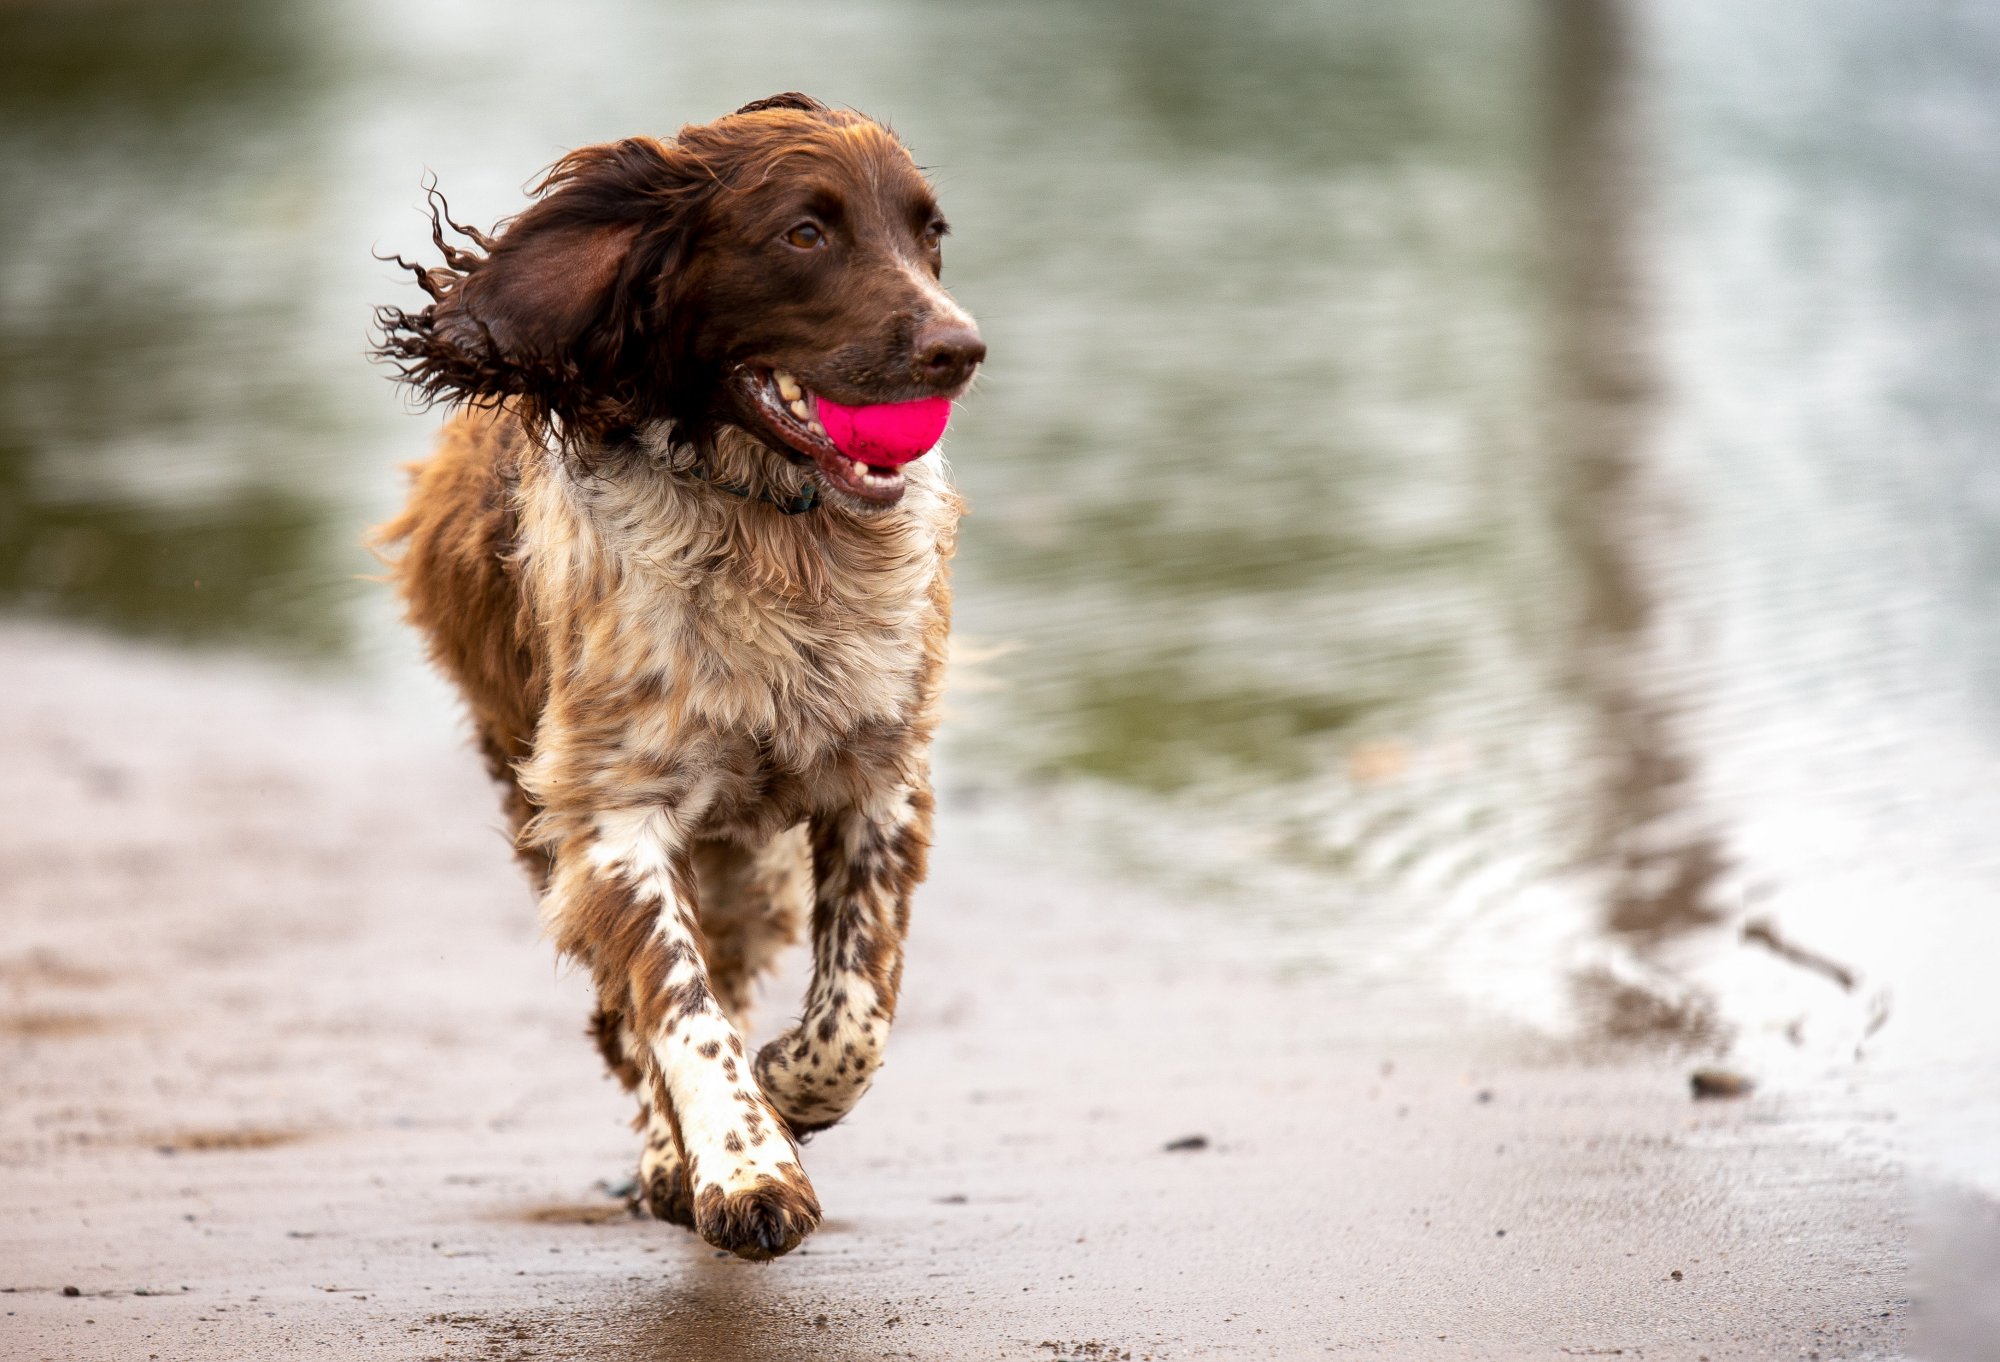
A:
(1503, 491)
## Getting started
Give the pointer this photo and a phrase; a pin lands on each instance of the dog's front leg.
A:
(867, 862)
(619, 901)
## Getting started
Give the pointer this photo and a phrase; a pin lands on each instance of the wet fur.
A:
(710, 722)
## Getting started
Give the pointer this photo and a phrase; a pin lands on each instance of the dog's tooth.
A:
(788, 387)
(860, 468)
(799, 410)
(816, 428)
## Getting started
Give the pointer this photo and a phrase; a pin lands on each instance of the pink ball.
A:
(887, 433)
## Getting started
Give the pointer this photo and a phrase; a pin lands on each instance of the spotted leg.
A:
(752, 902)
(618, 900)
(867, 861)
(664, 1188)
(661, 1185)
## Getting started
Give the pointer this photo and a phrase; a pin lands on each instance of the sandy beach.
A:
(1480, 600)
(290, 1074)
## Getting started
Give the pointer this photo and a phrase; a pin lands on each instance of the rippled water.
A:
(1505, 490)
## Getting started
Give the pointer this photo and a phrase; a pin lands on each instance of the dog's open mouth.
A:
(860, 450)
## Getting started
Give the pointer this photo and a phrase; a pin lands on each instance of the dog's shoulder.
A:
(451, 554)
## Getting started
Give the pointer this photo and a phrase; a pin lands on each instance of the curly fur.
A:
(710, 721)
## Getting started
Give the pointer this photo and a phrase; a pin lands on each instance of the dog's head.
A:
(734, 276)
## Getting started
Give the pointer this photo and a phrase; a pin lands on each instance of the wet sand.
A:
(287, 1072)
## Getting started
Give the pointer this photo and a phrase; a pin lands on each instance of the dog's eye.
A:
(934, 234)
(806, 236)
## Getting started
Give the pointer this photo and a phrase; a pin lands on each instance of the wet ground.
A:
(1490, 507)
(289, 1074)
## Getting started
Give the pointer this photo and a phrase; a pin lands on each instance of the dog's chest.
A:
(796, 678)
(690, 630)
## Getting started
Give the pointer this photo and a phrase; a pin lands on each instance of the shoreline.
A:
(288, 1056)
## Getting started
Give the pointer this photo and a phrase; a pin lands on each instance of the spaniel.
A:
(681, 550)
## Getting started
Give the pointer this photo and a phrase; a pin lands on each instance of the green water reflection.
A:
(1269, 468)
(1346, 439)
(145, 412)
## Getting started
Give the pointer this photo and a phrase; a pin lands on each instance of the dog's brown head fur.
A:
(676, 285)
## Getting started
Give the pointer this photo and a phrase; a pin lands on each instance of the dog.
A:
(700, 642)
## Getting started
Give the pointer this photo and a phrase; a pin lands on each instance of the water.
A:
(1505, 492)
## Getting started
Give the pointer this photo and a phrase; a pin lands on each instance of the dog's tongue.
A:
(888, 433)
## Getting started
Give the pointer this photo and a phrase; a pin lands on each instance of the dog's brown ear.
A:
(542, 314)
(531, 301)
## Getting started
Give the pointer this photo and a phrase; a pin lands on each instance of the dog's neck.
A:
(662, 507)
(806, 625)
(734, 463)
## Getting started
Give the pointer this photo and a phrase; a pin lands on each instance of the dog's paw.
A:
(804, 1088)
(761, 1221)
(663, 1185)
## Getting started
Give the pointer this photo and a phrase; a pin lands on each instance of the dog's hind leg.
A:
(662, 1179)
(753, 902)
(867, 862)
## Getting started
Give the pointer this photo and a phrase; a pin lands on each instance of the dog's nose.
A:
(948, 352)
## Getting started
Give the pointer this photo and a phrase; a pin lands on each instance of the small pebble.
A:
(1719, 1083)
(1187, 1144)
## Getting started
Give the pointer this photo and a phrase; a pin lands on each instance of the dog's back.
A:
(457, 574)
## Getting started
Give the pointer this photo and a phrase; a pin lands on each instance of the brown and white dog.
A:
(701, 647)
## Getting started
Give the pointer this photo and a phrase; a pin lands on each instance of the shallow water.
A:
(1506, 491)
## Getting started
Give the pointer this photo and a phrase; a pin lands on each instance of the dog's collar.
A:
(795, 505)
(806, 500)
